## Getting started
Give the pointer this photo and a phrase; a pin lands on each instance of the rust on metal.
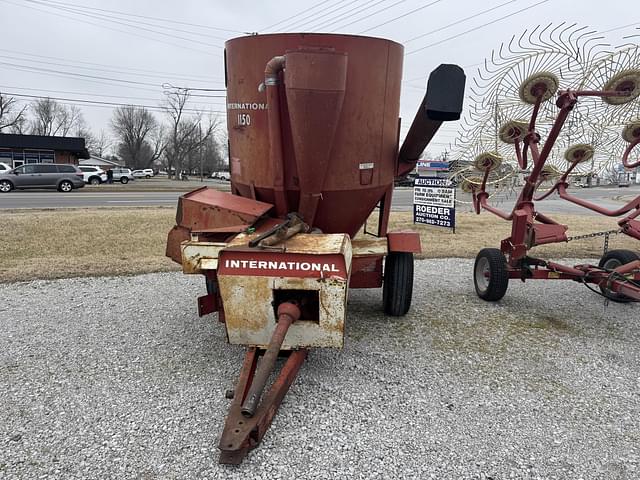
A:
(199, 256)
(251, 279)
(287, 314)
(241, 434)
(362, 134)
(207, 209)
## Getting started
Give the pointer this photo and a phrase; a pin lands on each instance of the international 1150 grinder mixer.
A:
(313, 150)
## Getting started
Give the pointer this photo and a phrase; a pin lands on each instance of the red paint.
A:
(339, 103)
(270, 264)
(404, 242)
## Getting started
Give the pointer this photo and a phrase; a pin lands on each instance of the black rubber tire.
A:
(613, 259)
(7, 186)
(124, 180)
(95, 181)
(493, 266)
(397, 288)
(147, 176)
(67, 188)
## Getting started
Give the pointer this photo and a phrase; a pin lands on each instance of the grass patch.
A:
(47, 244)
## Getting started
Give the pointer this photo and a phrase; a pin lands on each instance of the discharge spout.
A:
(442, 103)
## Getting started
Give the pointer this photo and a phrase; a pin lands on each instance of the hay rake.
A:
(557, 102)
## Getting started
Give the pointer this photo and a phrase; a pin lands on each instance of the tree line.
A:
(182, 139)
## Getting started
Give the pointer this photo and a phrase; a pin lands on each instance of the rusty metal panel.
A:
(404, 242)
(250, 278)
(209, 210)
(369, 246)
(199, 256)
(176, 236)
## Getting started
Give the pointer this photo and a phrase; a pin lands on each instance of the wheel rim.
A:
(65, 187)
(95, 181)
(612, 263)
(5, 187)
(482, 274)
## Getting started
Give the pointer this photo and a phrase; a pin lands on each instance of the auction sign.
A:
(434, 202)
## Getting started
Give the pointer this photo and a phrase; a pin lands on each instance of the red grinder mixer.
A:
(313, 146)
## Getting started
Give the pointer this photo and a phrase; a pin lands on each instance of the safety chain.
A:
(605, 234)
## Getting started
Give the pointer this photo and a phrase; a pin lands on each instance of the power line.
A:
(197, 78)
(75, 74)
(371, 15)
(97, 102)
(177, 22)
(344, 15)
(111, 28)
(459, 21)
(402, 16)
(119, 16)
(43, 62)
(476, 28)
(297, 25)
(298, 14)
(105, 18)
(101, 95)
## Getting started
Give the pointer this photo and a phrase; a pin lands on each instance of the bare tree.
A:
(51, 118)
(188, 131)
(101, 144)
(12, 115)
(139, 137)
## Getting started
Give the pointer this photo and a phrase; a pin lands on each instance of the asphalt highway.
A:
(402, 200)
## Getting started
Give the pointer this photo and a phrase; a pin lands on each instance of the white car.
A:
(145, 173)
(221, 175)
(4, 168)
(93, 175)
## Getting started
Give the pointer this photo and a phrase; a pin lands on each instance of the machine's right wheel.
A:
(490, 274)
(611, 260)
(397, 288)
(124, 180)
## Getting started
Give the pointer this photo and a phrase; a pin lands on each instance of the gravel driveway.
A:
(118, 378)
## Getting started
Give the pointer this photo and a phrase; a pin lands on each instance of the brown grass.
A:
(43, 244)
(46, 244)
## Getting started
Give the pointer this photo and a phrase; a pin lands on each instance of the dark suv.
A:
(62, 177)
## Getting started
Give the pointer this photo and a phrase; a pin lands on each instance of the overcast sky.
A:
(113, 51)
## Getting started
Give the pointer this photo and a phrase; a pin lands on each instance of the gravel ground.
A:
(119, 378)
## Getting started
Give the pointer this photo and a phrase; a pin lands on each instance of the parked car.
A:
(122, 175)
(4, 168)
(93, 175)
(63, 177)
(221, 175)
(145, 173)
(406, 181)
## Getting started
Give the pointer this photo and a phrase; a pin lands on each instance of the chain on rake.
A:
(606, 234)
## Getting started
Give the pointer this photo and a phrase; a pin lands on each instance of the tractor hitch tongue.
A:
(287, 314)
(313, 157)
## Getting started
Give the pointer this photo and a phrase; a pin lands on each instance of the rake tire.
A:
(490, 274)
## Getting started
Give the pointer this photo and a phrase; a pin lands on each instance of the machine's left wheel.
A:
(490, 274)
(611, 260)
(397, 288)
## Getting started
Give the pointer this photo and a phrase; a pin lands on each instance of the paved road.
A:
(403, 198)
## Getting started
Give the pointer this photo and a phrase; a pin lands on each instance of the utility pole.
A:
(200, 148)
